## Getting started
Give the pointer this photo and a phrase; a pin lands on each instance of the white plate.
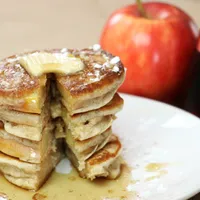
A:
(153, 132)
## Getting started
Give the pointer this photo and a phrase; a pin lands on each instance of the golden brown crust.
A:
(83, 142)
(99, 72)
(117, 101)
(104, 154)
(14, 80)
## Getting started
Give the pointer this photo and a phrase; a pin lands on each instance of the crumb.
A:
(70, 191)
(38, 196)
(87, 122)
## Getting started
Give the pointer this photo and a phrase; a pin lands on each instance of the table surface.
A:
(27, 25)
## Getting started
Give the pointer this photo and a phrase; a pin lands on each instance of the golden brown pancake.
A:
(89, 124)
(103, 163)
(28, 175)
(24, 131)
(82, 150)
(21, 118)
(18, 90)
(84, 109)
(25, 125)
(93, 127)
(114, 106)
(89, 89)
(27, 150)
(93, 87)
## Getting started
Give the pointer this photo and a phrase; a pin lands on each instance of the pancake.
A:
(25, 125)
(90, 129)
(88, 89)
(24, 131)
(81, 146)
(27, 150)
(82, 150)
(17, 117)
(27, 175)
(18, 90)
(103, 163)
(80, 86)
(114, 106)
(89, 124)
(94, 86)
(89, 104)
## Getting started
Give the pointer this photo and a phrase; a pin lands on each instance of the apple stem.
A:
(141, 8)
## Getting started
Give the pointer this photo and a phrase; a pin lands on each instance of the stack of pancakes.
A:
(90, 144)
(39, 114)
(29, 150)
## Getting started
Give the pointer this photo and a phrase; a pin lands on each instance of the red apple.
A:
(156, 49)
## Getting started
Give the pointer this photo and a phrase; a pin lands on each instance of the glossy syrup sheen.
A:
(159, 168)
(71, 186)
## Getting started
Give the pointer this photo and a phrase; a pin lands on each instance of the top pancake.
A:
(102, 74)
(98, 72)
(94, 86)
(15, 81)
(18, 90)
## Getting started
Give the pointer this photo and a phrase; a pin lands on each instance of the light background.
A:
(27, 25)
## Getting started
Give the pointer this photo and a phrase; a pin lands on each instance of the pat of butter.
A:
(40, 63)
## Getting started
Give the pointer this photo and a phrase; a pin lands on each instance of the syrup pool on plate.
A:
(71, 186)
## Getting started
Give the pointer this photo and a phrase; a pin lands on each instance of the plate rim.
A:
(167, 105)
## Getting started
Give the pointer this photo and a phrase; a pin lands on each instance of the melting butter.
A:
(40, 63)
